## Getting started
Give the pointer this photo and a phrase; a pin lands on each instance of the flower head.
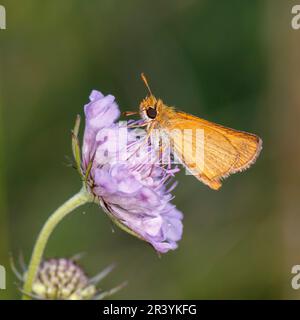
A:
(64, 279)
(125, 177)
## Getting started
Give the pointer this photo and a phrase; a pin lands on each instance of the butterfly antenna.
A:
(146, 83)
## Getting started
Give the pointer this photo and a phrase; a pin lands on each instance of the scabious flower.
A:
(125, 178)
(64, 279)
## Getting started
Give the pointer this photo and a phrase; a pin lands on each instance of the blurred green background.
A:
(232, 62)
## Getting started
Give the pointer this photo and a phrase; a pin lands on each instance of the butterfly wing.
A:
(211, 152)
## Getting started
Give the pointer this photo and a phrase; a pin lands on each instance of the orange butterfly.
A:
(224, 151)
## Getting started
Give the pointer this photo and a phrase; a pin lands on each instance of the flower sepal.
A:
(116, 221)
(76, 147)
(123, 227)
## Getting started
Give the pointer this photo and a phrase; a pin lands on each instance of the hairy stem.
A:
(77, 200)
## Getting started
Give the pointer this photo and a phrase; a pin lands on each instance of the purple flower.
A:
(125, 177)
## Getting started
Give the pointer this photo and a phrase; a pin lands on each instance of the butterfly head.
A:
(150, 106)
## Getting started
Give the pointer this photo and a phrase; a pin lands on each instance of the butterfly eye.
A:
(151, 113)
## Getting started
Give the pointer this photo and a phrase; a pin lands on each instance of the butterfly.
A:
(222, 150)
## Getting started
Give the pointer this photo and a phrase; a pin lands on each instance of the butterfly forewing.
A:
(210, 151)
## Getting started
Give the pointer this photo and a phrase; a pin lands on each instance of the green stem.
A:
(77, 200)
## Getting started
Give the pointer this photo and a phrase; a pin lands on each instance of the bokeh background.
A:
(232, 62)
